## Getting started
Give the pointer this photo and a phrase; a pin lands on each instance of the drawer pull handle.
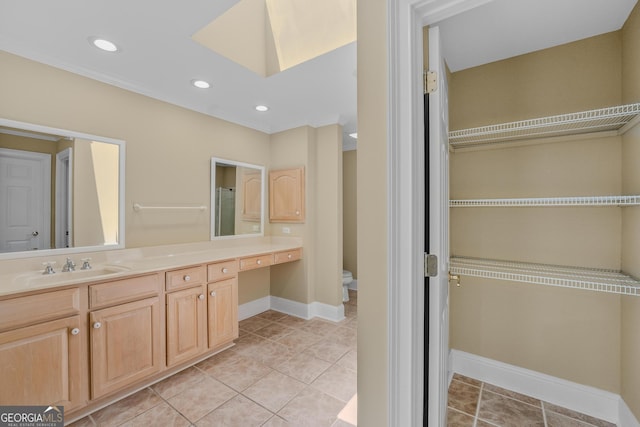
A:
(213, 293)
(289, 256)
(259, 262)
(75, 331)
(187, 278)
(201, 297)
(97, 325)
(225, 270)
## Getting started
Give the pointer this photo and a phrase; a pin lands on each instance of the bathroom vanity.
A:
(86, 338)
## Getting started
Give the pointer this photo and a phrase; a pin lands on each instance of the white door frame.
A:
(406, 215)
(64, 198)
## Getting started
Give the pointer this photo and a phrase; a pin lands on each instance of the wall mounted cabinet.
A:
(287, 195)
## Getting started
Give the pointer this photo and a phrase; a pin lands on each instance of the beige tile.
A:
(549, 407)
(319, 327)
(274, 391)
(269, 353)
(236, 371)
(237, 412)
(177, 383)
(506, 412)
(512, 394)
(467, 380)
(201, 399)
(292, 321)
(272, 315)
(276, 421)
(349, 360)
(349, 413)
(345, 336)
(253, 324)
(311, 408)
(341, 423)
(303, 367)
(557, 420)
(248, 344)
(328, 350)
(298, 340)
(127, 408)
(161, 415)
(459, 419)
(274, 331)
(463, 397)
(338, 382)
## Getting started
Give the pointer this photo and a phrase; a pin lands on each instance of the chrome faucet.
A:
(69, 265)
(85, 264)
(48, 267)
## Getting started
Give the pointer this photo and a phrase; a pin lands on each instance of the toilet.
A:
(347, 278)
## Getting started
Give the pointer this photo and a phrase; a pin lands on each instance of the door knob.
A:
(35, 234)
(97, 325)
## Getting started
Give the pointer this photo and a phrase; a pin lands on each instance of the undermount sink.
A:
(38, 279)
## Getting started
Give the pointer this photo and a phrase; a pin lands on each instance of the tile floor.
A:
(476, 404)
(283, 371)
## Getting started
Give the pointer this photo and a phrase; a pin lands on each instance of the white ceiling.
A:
(159, 58)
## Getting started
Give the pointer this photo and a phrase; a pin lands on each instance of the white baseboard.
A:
(584, 399)
(353, 285)
(294, 308)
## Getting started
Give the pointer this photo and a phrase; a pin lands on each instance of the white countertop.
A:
(25, 275)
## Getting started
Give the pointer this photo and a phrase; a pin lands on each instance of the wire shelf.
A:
(600, 280)
(549, 201)
(604, 119)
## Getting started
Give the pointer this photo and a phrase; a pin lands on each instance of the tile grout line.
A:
(475, 419)
(544, 413)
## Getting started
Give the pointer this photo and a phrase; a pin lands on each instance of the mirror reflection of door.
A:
(25, 187)
(225, 211)
(63, 230)
(252, 189)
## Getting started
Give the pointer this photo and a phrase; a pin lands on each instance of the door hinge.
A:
(430, 265)
(430, 81)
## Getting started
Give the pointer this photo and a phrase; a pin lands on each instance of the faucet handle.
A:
(69, 265)
(48, 267)
(85, 264)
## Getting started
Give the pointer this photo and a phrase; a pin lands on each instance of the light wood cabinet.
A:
(286, 195)
(126, 340)
(186, 324)
(251, 194)
(222, 312)
(41, 364)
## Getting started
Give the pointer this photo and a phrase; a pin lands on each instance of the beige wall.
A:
(373, 364)
(567, 333)
(630, 323)
(350, 212)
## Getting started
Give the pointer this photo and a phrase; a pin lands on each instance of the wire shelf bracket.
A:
(600, 280)
(138, 207)
(549, 201)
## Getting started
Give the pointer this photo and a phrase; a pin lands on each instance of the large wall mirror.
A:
(60, 191)
(237, 199)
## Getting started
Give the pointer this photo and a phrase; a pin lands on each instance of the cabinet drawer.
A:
(37, 308)
(249, 263)
(287, 256)
(222, 270)
(124, 290)
(185, 277)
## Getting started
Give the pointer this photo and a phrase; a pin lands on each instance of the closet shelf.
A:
(549, 201)
(601, 280)
(617, 118)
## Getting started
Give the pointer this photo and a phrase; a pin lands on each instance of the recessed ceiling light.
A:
(354, 135)
(201, 84)
(262, 108)
(103, 44)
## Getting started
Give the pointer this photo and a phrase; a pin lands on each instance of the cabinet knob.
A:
(259, 262)
(225, 270)
(201, 297)
(213, 293)
(187, 278)
(289, 256)
(297, 212)
(97, 325)
(75, 331)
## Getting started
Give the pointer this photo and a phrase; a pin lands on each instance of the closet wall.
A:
(630, 336)
(568, 333)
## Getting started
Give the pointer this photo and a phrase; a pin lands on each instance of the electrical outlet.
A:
(286, 230)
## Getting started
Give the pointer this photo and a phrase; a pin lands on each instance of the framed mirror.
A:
(237, 199)
(60, 191)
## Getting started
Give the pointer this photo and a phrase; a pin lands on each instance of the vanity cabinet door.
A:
(252, 196)
(126, 345)
(42, 364)
(286, 195)
(186, 324)
(222, 312)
